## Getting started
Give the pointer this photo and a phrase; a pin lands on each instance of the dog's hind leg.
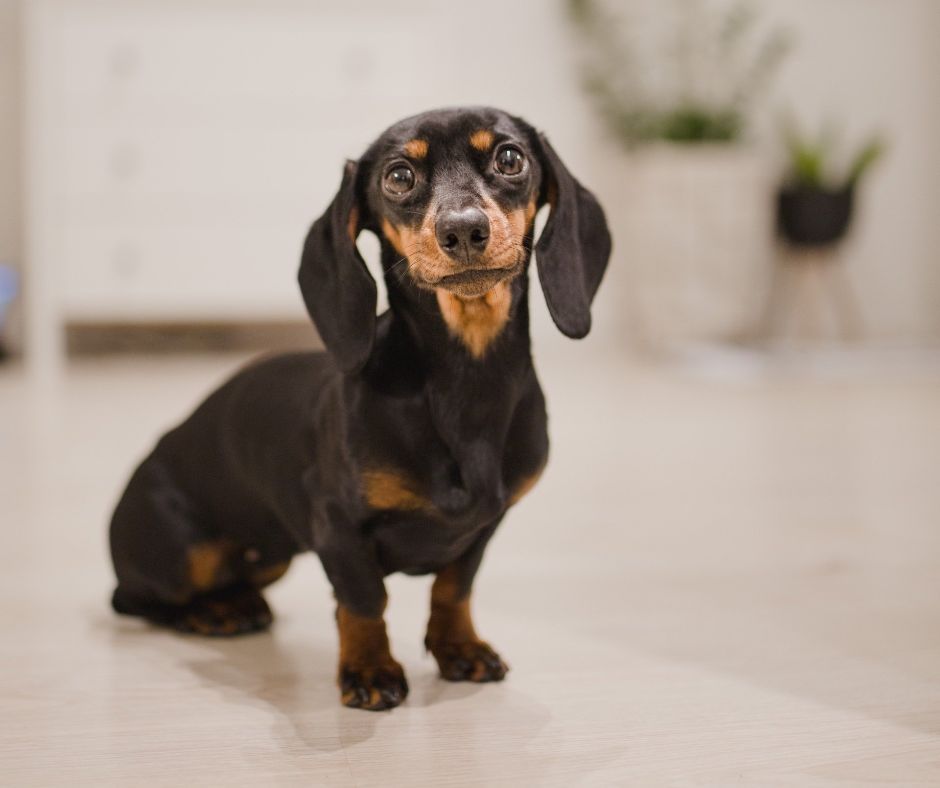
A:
(171, 570)
(233, 610)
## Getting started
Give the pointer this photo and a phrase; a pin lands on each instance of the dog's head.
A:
(454, 193)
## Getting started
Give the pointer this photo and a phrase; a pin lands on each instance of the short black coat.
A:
(278, 460)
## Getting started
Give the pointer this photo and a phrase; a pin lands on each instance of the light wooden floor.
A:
(722, 579)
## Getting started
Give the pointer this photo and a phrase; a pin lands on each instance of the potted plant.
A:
(815, 202)
(690, 79)
(675, 84)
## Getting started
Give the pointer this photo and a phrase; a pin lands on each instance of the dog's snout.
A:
(462, 233)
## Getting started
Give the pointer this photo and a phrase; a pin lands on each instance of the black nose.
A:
(462, 233)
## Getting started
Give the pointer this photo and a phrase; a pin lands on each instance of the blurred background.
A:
(738, 526)
(160, 162)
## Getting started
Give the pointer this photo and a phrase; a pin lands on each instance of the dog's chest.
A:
(417, 470)
(424, 515)
(458, 466)
(436, 469)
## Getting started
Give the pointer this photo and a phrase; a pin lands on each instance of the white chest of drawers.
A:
(176, 152)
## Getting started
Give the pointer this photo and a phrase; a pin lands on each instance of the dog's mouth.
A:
(474, 276)
(473, 282)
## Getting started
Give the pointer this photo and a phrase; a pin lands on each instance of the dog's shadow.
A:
(289, 675)
(294, 680)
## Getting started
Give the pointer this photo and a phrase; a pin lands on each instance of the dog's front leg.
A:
(369, 676)
(451, 637)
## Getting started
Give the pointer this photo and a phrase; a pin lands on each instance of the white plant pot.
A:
(697, 239)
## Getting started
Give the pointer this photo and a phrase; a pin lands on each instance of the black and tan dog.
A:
(400, 448)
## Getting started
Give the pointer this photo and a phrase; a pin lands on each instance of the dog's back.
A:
(232, 466)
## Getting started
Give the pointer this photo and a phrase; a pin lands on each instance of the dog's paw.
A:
(373, 688)
(469, 661)
(225, 613)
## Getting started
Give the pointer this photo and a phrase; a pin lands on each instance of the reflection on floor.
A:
(721, 579)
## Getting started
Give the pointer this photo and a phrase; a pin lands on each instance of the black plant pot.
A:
(814, 217)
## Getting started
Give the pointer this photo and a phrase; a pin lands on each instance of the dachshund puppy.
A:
(402, 446)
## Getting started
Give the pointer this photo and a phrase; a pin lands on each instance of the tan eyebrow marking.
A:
(417, 149)
(482, 140)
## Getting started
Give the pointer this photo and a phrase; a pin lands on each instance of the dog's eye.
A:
(400, 179)
(510, 160)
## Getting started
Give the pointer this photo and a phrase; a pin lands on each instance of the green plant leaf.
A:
(870, 153)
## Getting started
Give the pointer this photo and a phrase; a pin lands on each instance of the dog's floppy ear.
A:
(338, 290)
(573, 249)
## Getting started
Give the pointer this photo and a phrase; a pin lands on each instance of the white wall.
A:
(866, 63)
(872, 65)
(10, 214)
(932, 32)
(866, 66)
